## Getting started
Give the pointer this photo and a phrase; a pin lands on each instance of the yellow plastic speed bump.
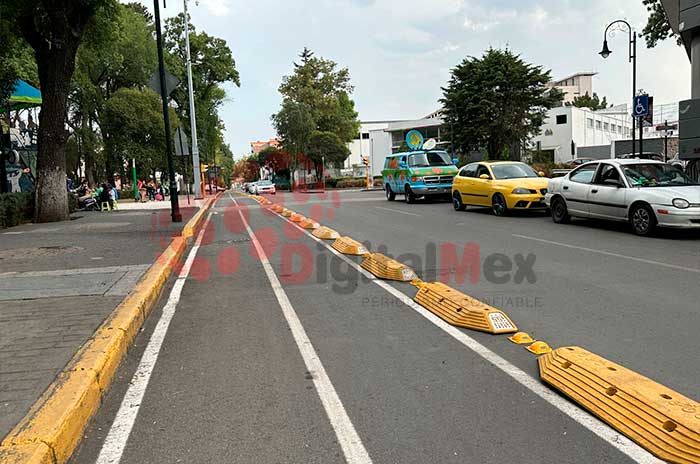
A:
(387, 268)
(348, 246)
(539, 348)
(287, 213)
(309, 224)
(659, 419)
(296, 218)
(277, 208)
(461, 310)
(521, 338)
(325, 233)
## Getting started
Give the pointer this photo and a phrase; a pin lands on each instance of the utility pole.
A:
(193, 116)
(174, 200)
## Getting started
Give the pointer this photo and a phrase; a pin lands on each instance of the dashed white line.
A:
(609, 253)
(350, 442)
(398, 211)
(118, 436)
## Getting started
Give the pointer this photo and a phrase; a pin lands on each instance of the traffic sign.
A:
(181, 143)
(641, 106)
(171, 83)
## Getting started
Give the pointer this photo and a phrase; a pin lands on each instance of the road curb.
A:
(53, 427)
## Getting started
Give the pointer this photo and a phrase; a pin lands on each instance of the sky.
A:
(400, 52)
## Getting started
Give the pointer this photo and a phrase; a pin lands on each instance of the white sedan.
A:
(645, 193)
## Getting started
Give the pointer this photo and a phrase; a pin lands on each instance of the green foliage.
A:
(317, 117)
(657, 28)
(496, 101)
(15, 208)
(594, 102)
(134, 118)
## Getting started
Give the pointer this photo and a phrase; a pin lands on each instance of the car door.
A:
(401, 175)
(464, 183)
(608, 192)
(576, 188)
(481, 190)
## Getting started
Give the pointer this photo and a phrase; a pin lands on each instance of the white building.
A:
(363, 145)
(568, 128)
(576, 85)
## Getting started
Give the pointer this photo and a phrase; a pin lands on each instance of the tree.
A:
(594, 102)
(134, 118)
(54, 29)
(496, 102)
(657, 28)
(317, 118)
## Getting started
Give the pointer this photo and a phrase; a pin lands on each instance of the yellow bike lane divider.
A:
(348, 246)
(462, 310)
(54, 425)
(325, 233)
(662, 421)
(386, 268)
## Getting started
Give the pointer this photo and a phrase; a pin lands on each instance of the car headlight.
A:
(521, 191)
(681, 203)
(417, 179)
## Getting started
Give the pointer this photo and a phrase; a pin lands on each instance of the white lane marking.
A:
(118, 436)
(590, 422)
(398, 211)
(350, 442)
(608, 253)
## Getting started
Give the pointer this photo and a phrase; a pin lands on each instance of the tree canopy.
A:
(594, 102)
(496, 101)
(657, 28)
(317, 117)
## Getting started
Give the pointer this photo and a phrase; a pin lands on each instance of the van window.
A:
(432, 158)
(403, 160)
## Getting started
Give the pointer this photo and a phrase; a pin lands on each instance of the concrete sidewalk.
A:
(58, 282)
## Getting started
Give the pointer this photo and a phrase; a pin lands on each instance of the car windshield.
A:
(264, 182)
(655, 175)
(513, 171)
(432, 158)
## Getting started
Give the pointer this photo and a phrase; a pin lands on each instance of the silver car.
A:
(646, 193)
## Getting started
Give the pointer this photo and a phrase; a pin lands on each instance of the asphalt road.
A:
(232, 382)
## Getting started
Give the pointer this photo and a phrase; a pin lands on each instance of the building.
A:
(370, 139)
(257, 147)
(576, 85)
(567, 128)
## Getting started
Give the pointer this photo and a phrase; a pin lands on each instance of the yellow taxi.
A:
(501, 185)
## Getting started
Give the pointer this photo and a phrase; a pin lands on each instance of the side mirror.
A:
(455, 161)
(485, 177)
(541, 174)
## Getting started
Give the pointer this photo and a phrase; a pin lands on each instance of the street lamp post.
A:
(174, 200)
(193, 117)
(606, 52)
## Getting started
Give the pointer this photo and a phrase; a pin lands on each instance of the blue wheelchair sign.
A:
(641, 106)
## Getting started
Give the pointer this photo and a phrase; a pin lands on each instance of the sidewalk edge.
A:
(54, 425)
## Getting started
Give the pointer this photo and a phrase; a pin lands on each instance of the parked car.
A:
(643, 156)
(502, 185)
(264, 186)
(646, 193)
(579, 161)
(418, 174)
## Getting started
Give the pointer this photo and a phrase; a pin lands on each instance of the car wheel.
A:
(457, 202)
(499, 205)
(560, 213)
(643, 220)
(390, 195)
(410, 197)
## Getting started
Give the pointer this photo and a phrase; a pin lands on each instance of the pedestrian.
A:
(105, 195)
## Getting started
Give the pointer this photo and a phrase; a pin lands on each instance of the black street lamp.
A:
(606, 52)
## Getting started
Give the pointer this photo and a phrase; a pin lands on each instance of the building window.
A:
(598, 125)
(590, 123)
(365, 136)
(561, 119)
(606, 126)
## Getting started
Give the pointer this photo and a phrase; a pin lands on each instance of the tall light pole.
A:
(606, 52)
(193, 117)
(174, 198)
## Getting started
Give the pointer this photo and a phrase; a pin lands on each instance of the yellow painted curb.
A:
(54, 426)
(193, 224)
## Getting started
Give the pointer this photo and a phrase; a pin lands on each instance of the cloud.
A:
(217, 7)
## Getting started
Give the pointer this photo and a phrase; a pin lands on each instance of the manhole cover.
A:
(40, 252)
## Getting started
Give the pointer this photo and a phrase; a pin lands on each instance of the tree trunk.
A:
(56, 66)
